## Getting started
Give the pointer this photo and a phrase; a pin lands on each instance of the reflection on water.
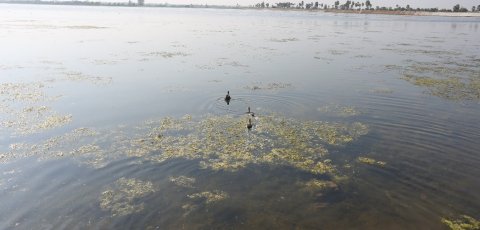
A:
(361, 121)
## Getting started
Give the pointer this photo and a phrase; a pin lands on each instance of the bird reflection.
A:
(249, 125)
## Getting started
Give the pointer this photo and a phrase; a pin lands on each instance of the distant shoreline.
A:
(166, 5)
(407, 13)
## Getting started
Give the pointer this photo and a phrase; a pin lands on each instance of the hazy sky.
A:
(413, 3)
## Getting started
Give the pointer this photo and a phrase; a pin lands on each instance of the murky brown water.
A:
(114, 118)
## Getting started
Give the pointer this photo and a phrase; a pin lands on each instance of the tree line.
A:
(367, 5)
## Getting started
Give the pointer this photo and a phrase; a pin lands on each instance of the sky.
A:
(413, 3)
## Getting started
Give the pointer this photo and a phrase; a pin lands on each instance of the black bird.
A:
(249, 125)
(250, 113)
(227, 97)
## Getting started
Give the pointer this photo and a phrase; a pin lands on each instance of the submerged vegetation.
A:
(371, 161)
(219, 142)
(297, 168)
(123, 197)
(183, 181)
(338, 110)
(222, 142)
(464, 223)
(26, 107)
(210, 196)
(452, 80)
(269, 86)
(316, 185)
(23, 110)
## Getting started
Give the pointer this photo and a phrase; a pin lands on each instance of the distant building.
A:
(141, 2)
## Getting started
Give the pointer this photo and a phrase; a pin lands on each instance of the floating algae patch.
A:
(457, 80)
(209, 196)
(382, 91)
(269, 86)
(24, 109)
(54, 121)
(464, 223)
(371, 161)
(81, 77)
(427, 52)
(451, 88)
(85, 27)
(22, 92)
(34, 119)
(124, 197)
(316, 185)
(337, 52)
(165, 54)
(217, 142)
(183, 181)
(74, 143)
(226, 62)
(223, 142)
(338, 110)
(283, 39)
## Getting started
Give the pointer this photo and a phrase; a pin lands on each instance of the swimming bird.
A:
(250, 113)
(227, 97)
(249, 125)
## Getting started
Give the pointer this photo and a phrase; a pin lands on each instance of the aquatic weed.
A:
(122, 197)
(463, 223)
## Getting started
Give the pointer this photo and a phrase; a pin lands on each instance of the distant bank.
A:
(408, 13)
(130, 4)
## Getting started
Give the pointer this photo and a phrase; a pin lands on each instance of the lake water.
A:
(115, 118)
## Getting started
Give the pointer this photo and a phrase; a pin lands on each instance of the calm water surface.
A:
(114, 118)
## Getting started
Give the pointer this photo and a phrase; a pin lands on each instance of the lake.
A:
(116, 118)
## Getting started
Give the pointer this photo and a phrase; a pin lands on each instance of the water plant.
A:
(210, 196)
(448, 78)
(371, 161)
(183, 181)
(315, 185)
(218, 142)
(122, 197)
(463, 223)
(338, 110)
